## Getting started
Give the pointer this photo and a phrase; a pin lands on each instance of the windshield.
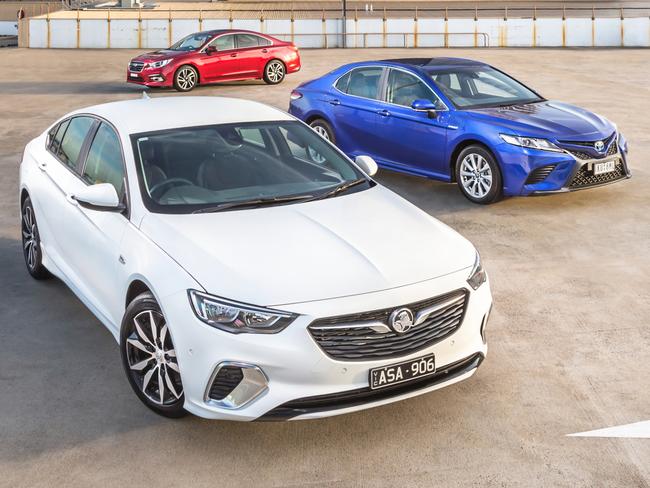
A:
(191, 42)
(481, 86)
(212, 168)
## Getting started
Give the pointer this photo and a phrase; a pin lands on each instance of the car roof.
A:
(432, 64)
(160, 113)
(214, 32)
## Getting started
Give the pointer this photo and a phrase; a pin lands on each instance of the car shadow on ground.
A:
(65, 88)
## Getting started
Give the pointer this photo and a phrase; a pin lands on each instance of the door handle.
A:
(334, 101)
(233, 55)
(265, 50)
(383, 113)
(71, 199)
(42, 166)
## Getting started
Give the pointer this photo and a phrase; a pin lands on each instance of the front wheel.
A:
(274, 72)
(478, 175)
(32, 242)
(185, 78)
(149, 357)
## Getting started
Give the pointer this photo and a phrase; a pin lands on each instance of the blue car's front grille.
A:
(587, 149)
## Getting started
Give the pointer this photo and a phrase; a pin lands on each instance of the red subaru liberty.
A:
(213, 56)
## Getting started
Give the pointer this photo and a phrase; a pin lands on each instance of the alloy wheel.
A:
(321, 131)
(476, 175)
(30, 238)
(152, 359)
(275, 71)
(186, 78)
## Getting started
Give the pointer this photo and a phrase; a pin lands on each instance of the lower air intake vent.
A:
(225, 382)
(539, 174)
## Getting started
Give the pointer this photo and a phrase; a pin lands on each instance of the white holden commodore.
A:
(248, 269)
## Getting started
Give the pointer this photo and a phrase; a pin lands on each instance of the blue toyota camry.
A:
(460, 120)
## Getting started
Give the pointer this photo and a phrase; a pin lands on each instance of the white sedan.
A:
(248, 269)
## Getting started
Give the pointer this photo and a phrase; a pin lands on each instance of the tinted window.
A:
(342, 83)
(224, 43)
(247, 40)
(404, 88)
(203, 167)
(364, 82)
(264, 42)
(104, 161)
(73, 140)
(57, 135)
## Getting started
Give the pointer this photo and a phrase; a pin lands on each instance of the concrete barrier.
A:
(50, 31)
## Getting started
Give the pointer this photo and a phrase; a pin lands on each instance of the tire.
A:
(323, 129)
(32, 242)
(186, 78)
(274, 72)
(149, 357)
(478, 175)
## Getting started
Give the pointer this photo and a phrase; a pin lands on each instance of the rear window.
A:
(73, 140)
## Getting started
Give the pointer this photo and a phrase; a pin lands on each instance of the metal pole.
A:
(345, 23)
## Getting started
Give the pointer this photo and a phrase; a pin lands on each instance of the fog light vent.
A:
(226, 380)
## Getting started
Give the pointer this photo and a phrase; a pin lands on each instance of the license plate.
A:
(133, 75)
(606, 167)
(402, 372)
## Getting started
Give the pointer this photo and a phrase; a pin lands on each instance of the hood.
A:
(554, 120)
(162, 54)
(363, 242)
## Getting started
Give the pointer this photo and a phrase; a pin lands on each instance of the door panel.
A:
(222, 64)
(413, 140)
(353, 108)
(251, 55)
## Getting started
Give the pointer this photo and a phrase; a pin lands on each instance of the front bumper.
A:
(568, 171)
(152, 77)
(296, 368)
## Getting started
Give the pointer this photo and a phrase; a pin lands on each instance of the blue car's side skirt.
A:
(414, 171)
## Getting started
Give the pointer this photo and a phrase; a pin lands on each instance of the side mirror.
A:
(101, 196)
(423, 105)
(367, 164)
(210, 50)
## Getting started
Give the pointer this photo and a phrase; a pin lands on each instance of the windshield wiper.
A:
(340, 188)
(258, 202)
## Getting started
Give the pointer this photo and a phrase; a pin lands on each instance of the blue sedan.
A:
(460, 120)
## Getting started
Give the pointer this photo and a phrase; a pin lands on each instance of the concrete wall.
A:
(373, 32)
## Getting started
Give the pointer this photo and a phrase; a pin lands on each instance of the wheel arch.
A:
(135, 288)
(472, 141)
(23, 196)
(196, 68)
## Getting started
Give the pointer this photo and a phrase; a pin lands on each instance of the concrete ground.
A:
(569, 337)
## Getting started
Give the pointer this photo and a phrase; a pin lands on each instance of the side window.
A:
(224, 43)
(73, 140)
(263, 41)
(342, 83)
(404, 88)
(104, 162)
(57, 135)
(252, 136)
(364, 82)
(247, 40)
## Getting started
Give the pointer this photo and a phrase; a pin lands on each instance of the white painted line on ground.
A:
(637, 430)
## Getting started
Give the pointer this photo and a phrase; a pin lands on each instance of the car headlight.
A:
(478, 276)
(238, 317)
(160, 64)
(530, 143)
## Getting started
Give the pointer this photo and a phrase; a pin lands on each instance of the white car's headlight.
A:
(477, 276)
(530, 143)
(238, 317)
(160, 64)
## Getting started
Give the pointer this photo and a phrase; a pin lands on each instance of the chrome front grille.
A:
(613, 149)
(585, 177)
(136, 66)
(587, 149)
(367, 336)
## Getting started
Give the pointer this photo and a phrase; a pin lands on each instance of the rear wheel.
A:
(478, 175)
(149, 357)
(185, 78)
(274, 72)
(32, 242)
(323, 129)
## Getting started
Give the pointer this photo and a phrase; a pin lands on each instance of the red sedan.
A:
(213, 56)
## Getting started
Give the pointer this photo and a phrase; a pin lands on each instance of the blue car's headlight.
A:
(477, 276)
(530, 142)
(238, 317)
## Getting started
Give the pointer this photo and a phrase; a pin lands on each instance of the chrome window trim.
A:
(381, 81)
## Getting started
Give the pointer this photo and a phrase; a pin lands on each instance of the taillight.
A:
(295, 95)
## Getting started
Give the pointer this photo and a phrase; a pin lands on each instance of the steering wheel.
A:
(170, 182)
